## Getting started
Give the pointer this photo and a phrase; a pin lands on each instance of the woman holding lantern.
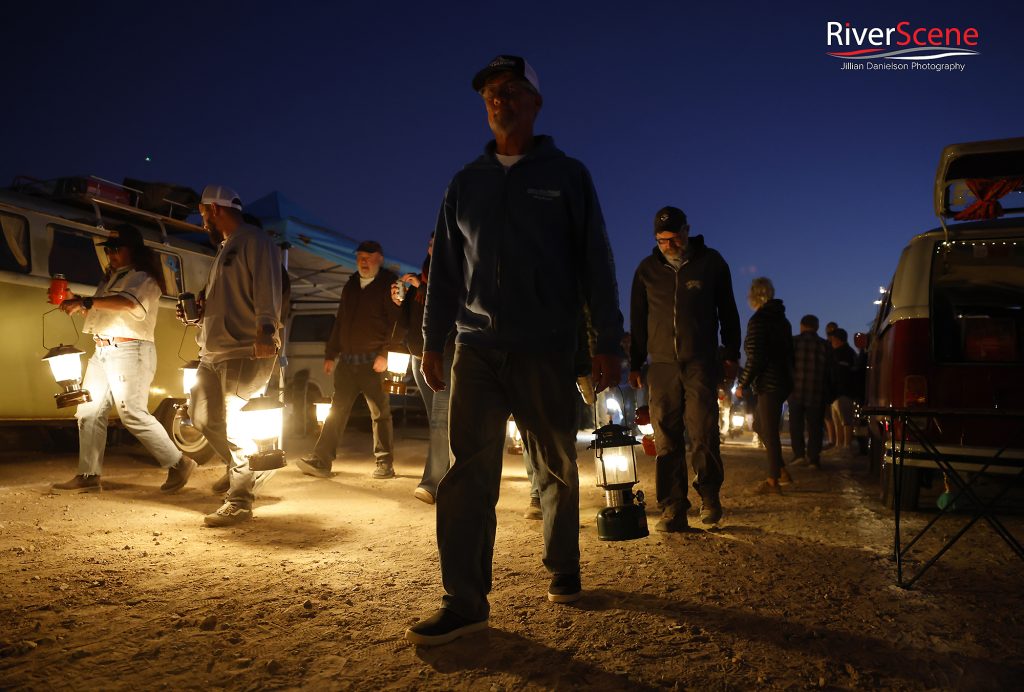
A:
(121, 316)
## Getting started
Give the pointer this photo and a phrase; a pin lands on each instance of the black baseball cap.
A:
(127, 236)
(507, 63)
(669, 220)
(370, 246)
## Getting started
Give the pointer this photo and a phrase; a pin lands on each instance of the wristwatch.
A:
(87, 303)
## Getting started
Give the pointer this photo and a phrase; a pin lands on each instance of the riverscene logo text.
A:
(903, 47)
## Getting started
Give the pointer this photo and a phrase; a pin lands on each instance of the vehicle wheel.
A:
(910, 491)
(171, 414)
(302, 419)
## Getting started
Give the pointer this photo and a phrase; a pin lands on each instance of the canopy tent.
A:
(320, 259)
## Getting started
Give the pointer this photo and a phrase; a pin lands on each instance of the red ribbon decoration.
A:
(987, 193)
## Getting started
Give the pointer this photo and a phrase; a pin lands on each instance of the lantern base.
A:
(72, 398)
(625, 523)
(267, 461)
(395, 388)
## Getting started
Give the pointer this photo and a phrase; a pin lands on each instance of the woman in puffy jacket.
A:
(768, 371)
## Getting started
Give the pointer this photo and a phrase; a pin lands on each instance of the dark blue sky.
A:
(790, 167)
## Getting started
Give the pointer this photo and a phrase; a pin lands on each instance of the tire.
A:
(171, 414)
(302, 417)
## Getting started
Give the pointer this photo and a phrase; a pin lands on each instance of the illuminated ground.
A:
(126, 590)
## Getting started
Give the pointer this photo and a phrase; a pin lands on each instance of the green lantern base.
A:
(622, 523)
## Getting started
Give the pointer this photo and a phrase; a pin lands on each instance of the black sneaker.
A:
(311, 466)
(673, 520)
(178, 475)
(565, 588)
(384, 470)
(442, 627)
(78, 484)
(710, 514)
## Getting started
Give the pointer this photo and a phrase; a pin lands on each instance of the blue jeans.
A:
(436, 404)
(119, 375)
(220, 391)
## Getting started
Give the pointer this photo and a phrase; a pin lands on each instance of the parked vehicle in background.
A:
(53, 227)
(949, 332)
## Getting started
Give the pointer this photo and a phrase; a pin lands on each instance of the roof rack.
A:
(99, 192)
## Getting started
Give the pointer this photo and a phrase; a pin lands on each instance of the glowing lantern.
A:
(615, 469)
(515, 438)
(261, 420)
(398, 365)
(322, 408)
(66, 365)
(189, 373)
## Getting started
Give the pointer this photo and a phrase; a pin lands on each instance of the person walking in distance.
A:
(681, 298)
(365, 329)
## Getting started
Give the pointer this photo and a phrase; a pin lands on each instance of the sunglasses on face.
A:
(504, 91)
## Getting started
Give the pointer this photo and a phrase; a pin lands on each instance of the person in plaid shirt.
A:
(810, 396)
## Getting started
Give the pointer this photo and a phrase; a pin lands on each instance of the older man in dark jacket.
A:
(365, 329)
(682, 295)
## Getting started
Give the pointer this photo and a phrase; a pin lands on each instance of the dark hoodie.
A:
(517, 253)
(769, 351)
(675, 315)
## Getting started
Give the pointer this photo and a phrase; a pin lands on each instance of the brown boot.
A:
(768, 487)
(178, 475)
(78, 484)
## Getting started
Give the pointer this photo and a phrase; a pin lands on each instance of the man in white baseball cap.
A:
(238, 339)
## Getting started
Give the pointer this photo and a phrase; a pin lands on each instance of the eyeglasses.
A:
(505, 91)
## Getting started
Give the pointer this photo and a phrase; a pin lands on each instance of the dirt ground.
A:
(127, 590)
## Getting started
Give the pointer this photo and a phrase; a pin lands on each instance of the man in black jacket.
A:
(363, 333)
(682, 295)
(520, 246)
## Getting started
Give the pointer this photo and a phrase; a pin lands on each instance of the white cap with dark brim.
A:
(221, 196)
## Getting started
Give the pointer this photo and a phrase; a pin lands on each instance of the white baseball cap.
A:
(221, 196)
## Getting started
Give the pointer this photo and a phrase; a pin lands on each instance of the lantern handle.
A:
(78, 331)
(621, 396)
(181, 344)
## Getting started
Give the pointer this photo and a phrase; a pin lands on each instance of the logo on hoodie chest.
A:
(545, 195)
(694, 285)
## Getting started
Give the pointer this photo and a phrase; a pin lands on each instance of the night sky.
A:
(790, 167)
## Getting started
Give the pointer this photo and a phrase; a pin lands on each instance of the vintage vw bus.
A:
(949, 332)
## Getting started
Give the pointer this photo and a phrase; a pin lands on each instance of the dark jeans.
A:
(684, 397)
(813, 416)
(767, 421)
(221, 388)
(436, 403)
(539, 389)
(349, 382)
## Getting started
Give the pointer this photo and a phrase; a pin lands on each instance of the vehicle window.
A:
(171, 266)
(74, 254)
(978, 302)
(14, 250)
(311, 328)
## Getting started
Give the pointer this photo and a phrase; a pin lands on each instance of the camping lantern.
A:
(398, 365)
(615, 469)
(321, 408)
(66, 364)
(261, 420)
(515, 438)
(189, 373)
